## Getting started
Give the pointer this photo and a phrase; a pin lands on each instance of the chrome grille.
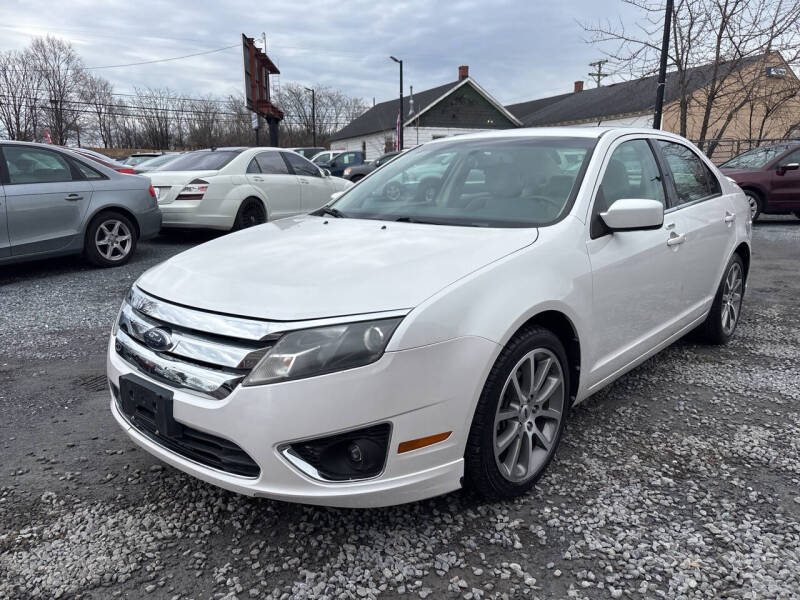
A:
(206, 353)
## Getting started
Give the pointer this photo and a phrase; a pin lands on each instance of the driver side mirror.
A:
(788, 167)
(325, 172)
(634, 215)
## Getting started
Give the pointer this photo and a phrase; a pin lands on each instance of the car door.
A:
(315, 190)
(785, 185)
(46, 199)
(636, 275)
(5, 246)
(704, 217)
(268, 172)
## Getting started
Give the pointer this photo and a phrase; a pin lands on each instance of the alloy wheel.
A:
(732, 298)
(113, 240)
(529, 415)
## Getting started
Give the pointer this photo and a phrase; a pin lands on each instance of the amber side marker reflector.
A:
(422, 442)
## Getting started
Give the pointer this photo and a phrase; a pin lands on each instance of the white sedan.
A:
(234, 188)
(397, 345)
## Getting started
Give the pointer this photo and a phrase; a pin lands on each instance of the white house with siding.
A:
(461, 106)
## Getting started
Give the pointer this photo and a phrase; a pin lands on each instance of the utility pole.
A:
(598, 74)
(313, 116)
(662, 69)
(400, 111)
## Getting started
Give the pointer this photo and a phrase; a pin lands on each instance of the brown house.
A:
(753, 98)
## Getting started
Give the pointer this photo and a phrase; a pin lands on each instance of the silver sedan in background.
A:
(54, 202)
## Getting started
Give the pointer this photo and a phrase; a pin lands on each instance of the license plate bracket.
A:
(148, 406)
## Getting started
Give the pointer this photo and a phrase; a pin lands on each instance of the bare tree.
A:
(333, 111)
(735, 38)
(19, 87)
(62, 74)
(97, 95)
(155, 112)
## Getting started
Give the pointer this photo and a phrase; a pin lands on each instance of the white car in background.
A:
(325, 157)
(234, 188)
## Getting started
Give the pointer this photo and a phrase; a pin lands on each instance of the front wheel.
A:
(724, 315)
(520, 416)
(250, 214)
(110, 240)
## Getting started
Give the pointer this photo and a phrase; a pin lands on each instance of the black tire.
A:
(357, 178)
(756, 204)
(481, 470)
(105, 248)
(250, 213)
(713, 330)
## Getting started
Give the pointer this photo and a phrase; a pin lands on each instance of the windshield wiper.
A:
(329, 210)
(425, 222)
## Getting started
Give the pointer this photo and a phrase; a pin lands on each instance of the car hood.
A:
(165, 178)
(313, 267)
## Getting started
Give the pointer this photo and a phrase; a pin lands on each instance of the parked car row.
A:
(56, 201)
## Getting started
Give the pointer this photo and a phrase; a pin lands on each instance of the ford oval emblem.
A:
(158, 339)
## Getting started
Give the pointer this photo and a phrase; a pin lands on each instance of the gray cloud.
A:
(517, 50)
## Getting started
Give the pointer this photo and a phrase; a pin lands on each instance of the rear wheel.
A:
(755, 204)
(110, 240)
(724, 316)
(520, 416)
(250, 213)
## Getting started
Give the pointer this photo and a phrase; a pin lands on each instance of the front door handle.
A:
(304, 181)
(729, 217)
(73, 197)
(675, 239)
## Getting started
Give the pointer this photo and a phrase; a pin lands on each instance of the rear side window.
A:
(693, 179)
(300, 165)
(271, 163)
(33, 165)
(87, 172)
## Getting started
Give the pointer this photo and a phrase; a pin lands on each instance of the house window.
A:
(388, 144)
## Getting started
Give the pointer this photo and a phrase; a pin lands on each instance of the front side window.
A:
(792, 157)
(500, 182)
(693, 179)
(33, 165)
(632, 172)
(301, 166)
(271, 163)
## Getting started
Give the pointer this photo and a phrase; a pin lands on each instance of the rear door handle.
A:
(675, 239)
(258, 179)
(73, 197)
(729, 217)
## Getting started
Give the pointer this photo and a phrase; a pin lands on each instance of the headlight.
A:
(115, 326)
(347, 171)
(311, 352)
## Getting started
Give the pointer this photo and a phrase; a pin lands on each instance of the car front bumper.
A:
(420, 392)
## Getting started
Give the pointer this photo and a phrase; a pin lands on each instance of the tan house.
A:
(751, 99)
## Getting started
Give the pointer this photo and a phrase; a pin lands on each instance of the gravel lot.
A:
(682, 480)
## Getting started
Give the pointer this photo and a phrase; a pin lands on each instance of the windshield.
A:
(756, 158)
(499, 182)
(202, 160)
(322, 157)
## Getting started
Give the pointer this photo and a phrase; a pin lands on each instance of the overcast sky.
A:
(518, 50)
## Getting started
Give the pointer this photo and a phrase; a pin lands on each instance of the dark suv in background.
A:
(357, 172)
(769, 176)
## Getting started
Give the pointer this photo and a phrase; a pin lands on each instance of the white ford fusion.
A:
(235, 188)
(397, 345)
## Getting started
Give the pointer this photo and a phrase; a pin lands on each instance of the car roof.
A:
(572, 132)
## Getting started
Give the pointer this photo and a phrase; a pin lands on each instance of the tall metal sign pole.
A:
(257, 69)
(400, 110)
(662, 69)
(313, 116)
